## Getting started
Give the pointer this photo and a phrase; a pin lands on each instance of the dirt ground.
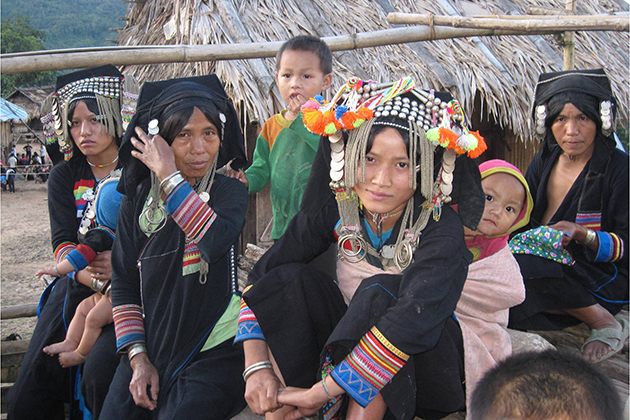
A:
(25, 240)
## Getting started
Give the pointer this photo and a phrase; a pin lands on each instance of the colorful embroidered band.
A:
(129, 325)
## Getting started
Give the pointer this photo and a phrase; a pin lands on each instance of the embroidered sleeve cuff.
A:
(192, 215)
(248, 327)
(611, 247)
(369, 367)
(62, 250)
(129, 325)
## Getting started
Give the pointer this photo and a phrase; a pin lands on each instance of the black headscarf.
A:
(160, 100)
(584, 89)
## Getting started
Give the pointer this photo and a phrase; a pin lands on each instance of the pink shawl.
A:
(494, 284)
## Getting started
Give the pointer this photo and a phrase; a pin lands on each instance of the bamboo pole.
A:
(526, 23)
(569, 41)
(155, 54)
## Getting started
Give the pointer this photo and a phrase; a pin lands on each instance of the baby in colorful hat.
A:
(494, 282)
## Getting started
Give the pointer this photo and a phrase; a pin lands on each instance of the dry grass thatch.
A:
(502, 70)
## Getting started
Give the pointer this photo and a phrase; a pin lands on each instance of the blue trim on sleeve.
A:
(78, 261)
(604, 252)
(175, 199)
(356, 386)
(248, 330)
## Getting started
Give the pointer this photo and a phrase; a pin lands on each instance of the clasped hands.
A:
(265, 393)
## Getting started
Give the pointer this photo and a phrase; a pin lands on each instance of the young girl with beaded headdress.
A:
(355, 345)
(83, 120)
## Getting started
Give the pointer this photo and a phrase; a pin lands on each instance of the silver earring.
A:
(541, 116)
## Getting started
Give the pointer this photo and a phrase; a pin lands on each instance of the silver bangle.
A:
(97, 284)
(590, 237)
(265, 364)
(165, 180)
(57, 271)
(136, 349)
(171, 183)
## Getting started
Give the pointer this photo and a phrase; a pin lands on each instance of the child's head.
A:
(547, 385)
(303, 67)
(508, 200)
(108, 203)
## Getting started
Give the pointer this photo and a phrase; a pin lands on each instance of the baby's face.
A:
(505, 197)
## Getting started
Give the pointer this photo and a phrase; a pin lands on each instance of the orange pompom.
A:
(481, 146)
(448, 137)
(365, 113)
(348, 119)
(314, 120)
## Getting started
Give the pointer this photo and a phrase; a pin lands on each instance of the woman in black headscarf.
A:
(580, 186)
(174, 288)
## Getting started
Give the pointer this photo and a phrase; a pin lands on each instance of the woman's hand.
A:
(306, 401)
(572, 232)
(261, 392)
(145, 382)
(240, 175)
(154, 152)
(101, 266)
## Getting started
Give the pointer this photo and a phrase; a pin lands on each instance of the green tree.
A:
(19, 35)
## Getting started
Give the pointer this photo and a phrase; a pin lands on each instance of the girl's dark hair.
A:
(379, 128)
(92, 106)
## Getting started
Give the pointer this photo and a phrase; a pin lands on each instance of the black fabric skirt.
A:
(98, 370)
(299, 310)
(210, 387)
(549, 286)
(43, 386)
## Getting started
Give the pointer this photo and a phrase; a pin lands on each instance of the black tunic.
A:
(179, 311)
(598, 199)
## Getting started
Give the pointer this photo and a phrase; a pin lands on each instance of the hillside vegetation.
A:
(70, 23)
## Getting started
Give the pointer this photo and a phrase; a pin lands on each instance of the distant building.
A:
(30, 100)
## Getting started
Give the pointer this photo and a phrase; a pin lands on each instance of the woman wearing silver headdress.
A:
(355, 345)
(83, 120)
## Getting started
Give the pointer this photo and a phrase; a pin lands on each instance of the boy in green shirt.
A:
(285, 149)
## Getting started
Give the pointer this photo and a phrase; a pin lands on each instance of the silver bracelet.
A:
(96, 284)
(57, 271)
(590, 237)
(171, 183)
(326, 389)
(265, 364)
(165, 180)
(136, 349)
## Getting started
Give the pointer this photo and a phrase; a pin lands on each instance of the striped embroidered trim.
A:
(107, 230)
(369, 367)
(589, 220)
(192, 259)
(611, 247)
(194, 217)
(63, 250)
(248, 327)
(80, 187)
(129, 325)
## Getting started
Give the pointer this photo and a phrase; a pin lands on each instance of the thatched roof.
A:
(31, 98)
(501, 70)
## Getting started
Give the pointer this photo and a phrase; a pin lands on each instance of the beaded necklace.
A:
(104, 165)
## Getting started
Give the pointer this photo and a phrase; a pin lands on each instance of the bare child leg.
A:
(75, 329)
(98, 317)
